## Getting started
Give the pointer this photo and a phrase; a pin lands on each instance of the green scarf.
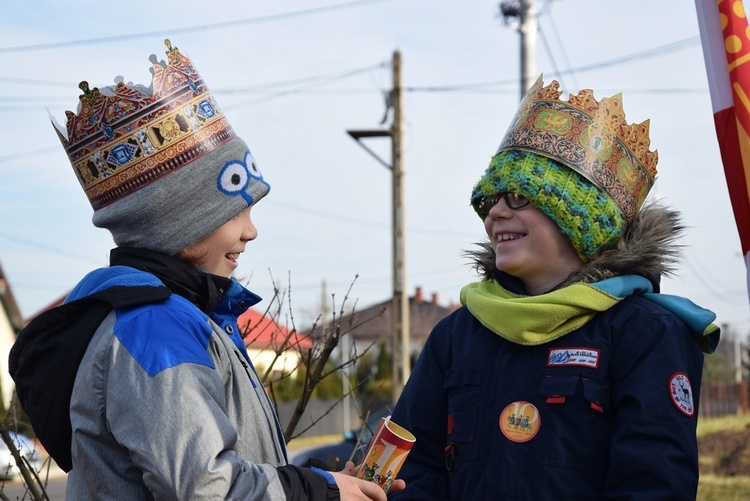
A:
(535, 320)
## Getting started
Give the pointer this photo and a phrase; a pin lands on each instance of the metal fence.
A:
(720, 398)
(327, 417)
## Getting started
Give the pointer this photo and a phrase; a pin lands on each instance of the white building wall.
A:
(262, 360)
(7, 338)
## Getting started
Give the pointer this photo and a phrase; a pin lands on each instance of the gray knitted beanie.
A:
(161, 166)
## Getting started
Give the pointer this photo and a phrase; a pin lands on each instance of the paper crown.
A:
(590, 137)
(125, 138)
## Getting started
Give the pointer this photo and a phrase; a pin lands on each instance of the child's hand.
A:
(361, 489)
(350, 469)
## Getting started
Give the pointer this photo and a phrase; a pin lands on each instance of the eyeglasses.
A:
(512, 200)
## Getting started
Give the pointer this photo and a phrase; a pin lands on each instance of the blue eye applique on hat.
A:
(236, 176)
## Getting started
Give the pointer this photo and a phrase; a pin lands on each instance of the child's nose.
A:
(249, 231)
(500, 209)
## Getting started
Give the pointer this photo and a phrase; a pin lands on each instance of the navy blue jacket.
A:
(617, 422)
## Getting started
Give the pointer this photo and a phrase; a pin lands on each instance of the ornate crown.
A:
(126, 137)
(590, 137)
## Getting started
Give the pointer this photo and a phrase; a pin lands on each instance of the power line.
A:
(308, 92)
(353, 92)
(47, 83)
(301, 80)
(27, 154)
(707, 283)
(297, 209)
(45, 247)
(62, 252)
(306, 82)
(550, 54)
(645, 54)
(198, 28)
(475, 87)
(559, 41)
(649, 53)
(361, 222)
(42, 99)
(320, 80)
(654, 52)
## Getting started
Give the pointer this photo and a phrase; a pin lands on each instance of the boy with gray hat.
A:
(139, 386)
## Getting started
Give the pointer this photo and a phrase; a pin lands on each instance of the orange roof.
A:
(264, 333)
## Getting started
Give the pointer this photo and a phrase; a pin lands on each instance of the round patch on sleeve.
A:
(682, 393)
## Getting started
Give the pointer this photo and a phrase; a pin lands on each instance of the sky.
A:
(294, 76)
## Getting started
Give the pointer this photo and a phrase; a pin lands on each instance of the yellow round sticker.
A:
(520, 421)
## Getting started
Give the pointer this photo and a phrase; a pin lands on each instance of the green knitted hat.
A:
(586, 215)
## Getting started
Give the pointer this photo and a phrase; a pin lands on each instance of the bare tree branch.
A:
(328, 411)
(30, 478)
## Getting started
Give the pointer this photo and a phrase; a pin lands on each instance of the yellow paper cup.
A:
(386, 454)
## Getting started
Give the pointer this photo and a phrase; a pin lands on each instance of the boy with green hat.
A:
(566, 374)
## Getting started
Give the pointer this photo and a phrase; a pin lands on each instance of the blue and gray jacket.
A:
(141, 388)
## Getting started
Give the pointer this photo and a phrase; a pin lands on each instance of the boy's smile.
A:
(530, 246)
(218, 252)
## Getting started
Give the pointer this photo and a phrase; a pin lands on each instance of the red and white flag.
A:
(726, 50)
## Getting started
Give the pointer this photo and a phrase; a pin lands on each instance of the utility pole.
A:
(400, 324)
(525, 11)
(400, 302)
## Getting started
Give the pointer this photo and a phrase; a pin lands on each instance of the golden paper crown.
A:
(590, 137)
(124, 138)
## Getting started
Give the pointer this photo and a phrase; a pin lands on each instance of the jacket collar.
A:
(202, 289)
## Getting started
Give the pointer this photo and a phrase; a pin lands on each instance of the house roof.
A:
(423, 315)
(260, 331)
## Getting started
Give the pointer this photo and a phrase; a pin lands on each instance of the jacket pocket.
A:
(576, 424)
(465, 402)
(596, 393)
(556, 388)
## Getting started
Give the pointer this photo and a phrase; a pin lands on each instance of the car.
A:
(28, 450)
(354, 445)
(8, 468)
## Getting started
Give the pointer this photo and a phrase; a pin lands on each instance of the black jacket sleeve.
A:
(305, 484)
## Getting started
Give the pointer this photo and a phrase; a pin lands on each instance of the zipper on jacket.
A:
(247, 369)
(274, 417)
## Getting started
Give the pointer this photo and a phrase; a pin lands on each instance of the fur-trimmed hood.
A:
(647, 248)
